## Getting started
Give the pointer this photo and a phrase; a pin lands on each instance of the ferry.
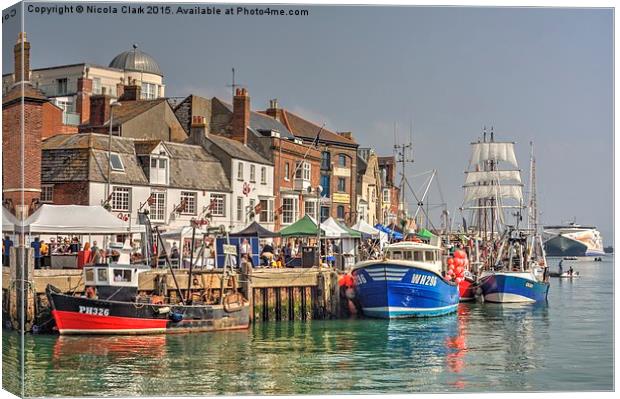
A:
(573, 240)
(408, 282)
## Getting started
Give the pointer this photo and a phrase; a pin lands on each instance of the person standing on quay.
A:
(7, 243)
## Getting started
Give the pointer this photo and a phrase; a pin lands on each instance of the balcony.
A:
(70, 118)
(300, 183)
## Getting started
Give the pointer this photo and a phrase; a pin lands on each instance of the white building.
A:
(67, 85)
(250, 176)
(183, 181)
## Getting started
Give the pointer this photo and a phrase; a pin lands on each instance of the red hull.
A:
(73, 322)
(466, 290)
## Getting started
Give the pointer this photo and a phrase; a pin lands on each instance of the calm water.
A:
(564, 345)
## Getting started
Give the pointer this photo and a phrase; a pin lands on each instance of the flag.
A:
(151, 199)
(258, 208)
(182, 206)
(279, 210)
(211, 204)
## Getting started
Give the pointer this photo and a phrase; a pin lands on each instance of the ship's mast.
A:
(403, 156)
(532, 221)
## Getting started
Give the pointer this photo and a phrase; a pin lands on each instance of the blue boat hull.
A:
(387, 290)
(512, 288)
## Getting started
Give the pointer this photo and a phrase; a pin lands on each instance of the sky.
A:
(534, 74)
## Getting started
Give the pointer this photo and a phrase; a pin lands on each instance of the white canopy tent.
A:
(331, 229)
(76, 219)
(348, 244)
(363, 227)
(9, 222)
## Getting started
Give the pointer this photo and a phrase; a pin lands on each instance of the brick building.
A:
(26, 114)
(296, 166)
(369, 187)
(338, 165)
(390, 195)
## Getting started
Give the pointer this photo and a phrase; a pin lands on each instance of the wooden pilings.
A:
(274, 294)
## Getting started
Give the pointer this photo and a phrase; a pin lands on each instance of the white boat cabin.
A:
(116, 275)
(411, 251)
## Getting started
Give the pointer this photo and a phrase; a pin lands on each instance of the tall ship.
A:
(573, 239)
(511, 257)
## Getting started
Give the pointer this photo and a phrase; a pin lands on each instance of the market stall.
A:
(73, 220)
(248, 237)
(304, 229)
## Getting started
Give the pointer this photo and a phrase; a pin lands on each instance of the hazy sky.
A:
(534, 74)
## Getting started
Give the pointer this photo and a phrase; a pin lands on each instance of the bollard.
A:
(21, 293)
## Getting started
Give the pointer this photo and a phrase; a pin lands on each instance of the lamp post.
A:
(319, 190)
(107, 188)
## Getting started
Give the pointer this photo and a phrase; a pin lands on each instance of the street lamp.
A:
(107, 188)
(319, 190)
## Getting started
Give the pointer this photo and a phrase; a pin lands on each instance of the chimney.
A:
(198, 131)
(22, 70)
(99, 109)
(130, 93)
(273, 108)
(120, 89)
(241, 116)
(346, 135)
(82, 102)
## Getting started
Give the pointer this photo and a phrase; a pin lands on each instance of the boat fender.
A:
(175, 317)
(163, 310)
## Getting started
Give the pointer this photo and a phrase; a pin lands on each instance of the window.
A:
(149, 91)
(342, 160)
(266, 212)
(190, 202)
(102, 275)
(218, 205)
(116, 163)
(239, 209)
(158, 209)
(61, 86)
(302, 170)
(97, 86)
(251, 207)
(408, 255)
(289, 210)
(240, 171)
(159, 169)
(326, 160)
(47, 193)
(324, 213)
(396, 255)
(310, 208)
(428, 256)
(252, 174)
(386, 195)
(326, 184)
(342, 184)
(89, 275)
(263, 175)
(122, 275)
(287, 171)
(340, 212)
(121, 199)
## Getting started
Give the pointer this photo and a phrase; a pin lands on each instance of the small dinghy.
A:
(564, 275)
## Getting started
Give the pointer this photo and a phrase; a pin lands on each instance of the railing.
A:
(70, 118)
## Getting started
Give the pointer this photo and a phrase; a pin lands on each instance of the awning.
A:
(185, 231)
(366, 229)
(76, 219)
(9, 222)
(255, 230)
(391, 233)
(304, 227)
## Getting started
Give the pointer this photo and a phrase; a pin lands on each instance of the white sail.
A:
(492, 176)
(513, 191)
(493, 151)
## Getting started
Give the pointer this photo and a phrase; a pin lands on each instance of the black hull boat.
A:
(82, 315)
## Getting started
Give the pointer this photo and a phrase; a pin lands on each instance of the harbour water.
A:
(565, 345)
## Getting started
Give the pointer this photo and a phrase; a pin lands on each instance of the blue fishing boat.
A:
(406, 283)
(519, 275)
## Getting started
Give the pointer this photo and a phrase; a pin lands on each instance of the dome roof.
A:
(136, 60)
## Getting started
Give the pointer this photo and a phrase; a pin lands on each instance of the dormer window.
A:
(116, 163)
(159, 171)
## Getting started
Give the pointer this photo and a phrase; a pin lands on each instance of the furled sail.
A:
(513, 191)
(493, 151)
(493, 176)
